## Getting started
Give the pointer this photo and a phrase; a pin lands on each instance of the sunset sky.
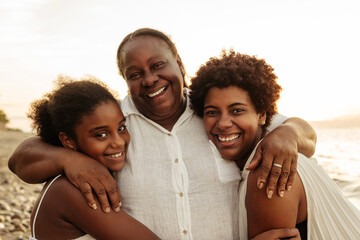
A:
(313, 45)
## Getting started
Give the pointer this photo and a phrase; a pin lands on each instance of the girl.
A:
(81, 116)
(236, 95)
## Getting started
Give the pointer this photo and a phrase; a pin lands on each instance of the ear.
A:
(262, 119)
(67, 141)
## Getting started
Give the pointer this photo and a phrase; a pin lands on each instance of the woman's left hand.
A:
(278, 154)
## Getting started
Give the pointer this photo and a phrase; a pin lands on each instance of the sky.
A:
(312, 45)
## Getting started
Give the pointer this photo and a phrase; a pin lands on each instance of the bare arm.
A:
(35, 161)
(265, 214)
(281, 147)
(64, 214)
(305, 135)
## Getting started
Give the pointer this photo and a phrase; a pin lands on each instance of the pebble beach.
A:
(16, 197)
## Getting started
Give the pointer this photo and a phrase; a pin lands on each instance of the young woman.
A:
(236, 95)
(170, 166)
(81, 116)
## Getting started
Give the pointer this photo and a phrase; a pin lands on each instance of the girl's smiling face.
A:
(231, 122)
(103, 136)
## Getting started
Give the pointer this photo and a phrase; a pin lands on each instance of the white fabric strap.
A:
(38, 207)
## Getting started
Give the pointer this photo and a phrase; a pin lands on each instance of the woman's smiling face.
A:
(153, 77)
(231, 122)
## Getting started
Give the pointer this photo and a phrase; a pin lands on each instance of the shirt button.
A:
(176, 160)
(169, 134)
(184, 232)
(181, 194)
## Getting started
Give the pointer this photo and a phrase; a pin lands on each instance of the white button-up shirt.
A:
(174, 183)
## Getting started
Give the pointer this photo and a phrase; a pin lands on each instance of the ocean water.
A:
(338, 152)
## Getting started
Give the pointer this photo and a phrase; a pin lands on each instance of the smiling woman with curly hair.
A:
(236, 96)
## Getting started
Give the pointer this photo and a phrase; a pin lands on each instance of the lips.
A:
(115, 155)
(228, 138)
(154, 94)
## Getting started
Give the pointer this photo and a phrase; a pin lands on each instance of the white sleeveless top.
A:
(33, 235)
(329, 214)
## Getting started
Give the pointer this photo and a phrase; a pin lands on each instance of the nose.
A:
(149, 79)
(224, 121)
(117, 141)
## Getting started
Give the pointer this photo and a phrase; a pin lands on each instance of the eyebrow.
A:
(231, 105)
(100, 127)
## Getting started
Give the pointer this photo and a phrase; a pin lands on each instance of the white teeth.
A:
(157, 92)
(115, 155)
(228, 139)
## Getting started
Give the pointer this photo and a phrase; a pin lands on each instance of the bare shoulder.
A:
(278, 212)
(65, 205)
(57, 202)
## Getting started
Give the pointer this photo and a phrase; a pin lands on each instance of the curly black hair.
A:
(62, 109)
(234, 69)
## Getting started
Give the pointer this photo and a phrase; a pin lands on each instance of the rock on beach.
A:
(16, 197)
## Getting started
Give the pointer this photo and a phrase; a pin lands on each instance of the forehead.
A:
(103, 113)
(143, 46)
(227, 96)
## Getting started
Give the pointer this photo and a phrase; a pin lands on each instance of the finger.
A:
(292, 175)
(273, 179)
(101, 194)
(114, 195)
(88, 194)
(265, 168)
(284, 176)
(256, 160)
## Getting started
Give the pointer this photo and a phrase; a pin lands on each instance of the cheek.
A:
(127, 138)
(208, 124)
(133, 87)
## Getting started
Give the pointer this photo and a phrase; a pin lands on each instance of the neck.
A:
(169, 123)
(243, 159)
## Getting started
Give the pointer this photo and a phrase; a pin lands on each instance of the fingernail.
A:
(120, 204)
(94, 206)
(117, 209)
(289, 188)
(260, 185)
(270, 193)
(281, 194)
(107, 209)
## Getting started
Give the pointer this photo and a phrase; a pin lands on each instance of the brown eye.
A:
(134, 76)
(101, 135)
(122, 128)
(210, 113)
(159, 64)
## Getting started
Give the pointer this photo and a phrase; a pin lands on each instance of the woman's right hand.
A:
(281, 233)
(91, 177)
